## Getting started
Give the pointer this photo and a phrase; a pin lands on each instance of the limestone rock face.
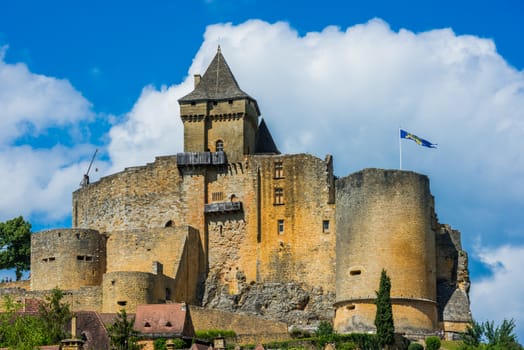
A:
(453, 280)
(287, 302)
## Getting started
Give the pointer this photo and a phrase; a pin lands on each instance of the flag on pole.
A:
(420, 141)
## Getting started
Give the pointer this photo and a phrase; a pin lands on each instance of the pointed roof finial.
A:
(218, 49)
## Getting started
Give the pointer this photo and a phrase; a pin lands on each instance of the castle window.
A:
(279, 170)
(52, 258)
(230, 102)
(350, 307)
(147, 324)
(217, 196)
(219, 146)
(168, 294)
(355, 272)
(89, 258)
(80, 257)
(279, 196)
(280, 227)
(169, 223)
(168, 324)
(325, 226)
(122, 303)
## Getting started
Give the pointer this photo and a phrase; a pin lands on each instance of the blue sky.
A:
(333, 77)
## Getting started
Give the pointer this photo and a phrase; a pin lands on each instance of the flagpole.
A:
(400, 147)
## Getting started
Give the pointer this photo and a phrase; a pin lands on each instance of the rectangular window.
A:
(325, 226)
(279, 196)
(217, 196)
(279, 170)
(280, 227)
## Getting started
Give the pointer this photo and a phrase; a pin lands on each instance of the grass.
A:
(450, 344)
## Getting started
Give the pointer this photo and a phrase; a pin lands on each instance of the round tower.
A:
(67, 259)
(384, 221)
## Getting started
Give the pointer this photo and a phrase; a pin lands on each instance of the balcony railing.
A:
(222, 207)
(201, 158)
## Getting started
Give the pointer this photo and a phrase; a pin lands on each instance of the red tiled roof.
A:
(162, 319)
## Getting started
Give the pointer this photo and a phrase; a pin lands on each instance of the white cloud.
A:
(30, 102)
(499, 296)
(38, 180)
(152, 128)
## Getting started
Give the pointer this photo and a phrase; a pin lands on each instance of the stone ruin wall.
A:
(452, 281)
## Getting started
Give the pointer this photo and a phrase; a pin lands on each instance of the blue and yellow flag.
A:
(420, 141)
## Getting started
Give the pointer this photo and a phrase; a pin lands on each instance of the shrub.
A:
(432, 343)
(179, 343)
(210, 334)
(415, 346)
(159, 344)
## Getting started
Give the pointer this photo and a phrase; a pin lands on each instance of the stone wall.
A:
(150, 196)
(249, 329)
(384, 221)
(83, 298)
(67, 259)
(302, 248)
(129, 289)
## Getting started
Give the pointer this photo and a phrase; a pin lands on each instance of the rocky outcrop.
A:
(453, 280)
(290, 302)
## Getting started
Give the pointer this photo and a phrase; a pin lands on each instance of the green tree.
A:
(15, 245)
(122, 334)
(384, 315)
(490, 337)
(473, 335)
(21, 331)
(55, 314)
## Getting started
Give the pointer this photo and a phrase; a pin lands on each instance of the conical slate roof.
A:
(217, 83)
(264, 143)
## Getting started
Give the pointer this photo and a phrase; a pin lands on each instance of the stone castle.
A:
(232, 224)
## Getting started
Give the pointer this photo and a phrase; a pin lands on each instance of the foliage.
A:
(210, 334)
(159, 344)
(342, 342)
(473, 334)
(298, 333)
(179, 343)
(415, 346)
(325, 334)
(55, 314)
(324, 329)
(122, 334)
(490, 337)
(15, 245)
(384, 315)
(433, 343)
(21, 331)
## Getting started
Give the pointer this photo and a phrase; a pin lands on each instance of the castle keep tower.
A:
(218, 115)
(384, 221)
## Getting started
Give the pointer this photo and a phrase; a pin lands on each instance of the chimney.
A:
(197, 78)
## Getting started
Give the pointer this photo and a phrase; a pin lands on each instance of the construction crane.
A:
(85, 180)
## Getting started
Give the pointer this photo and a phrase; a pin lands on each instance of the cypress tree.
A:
(384, 315)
